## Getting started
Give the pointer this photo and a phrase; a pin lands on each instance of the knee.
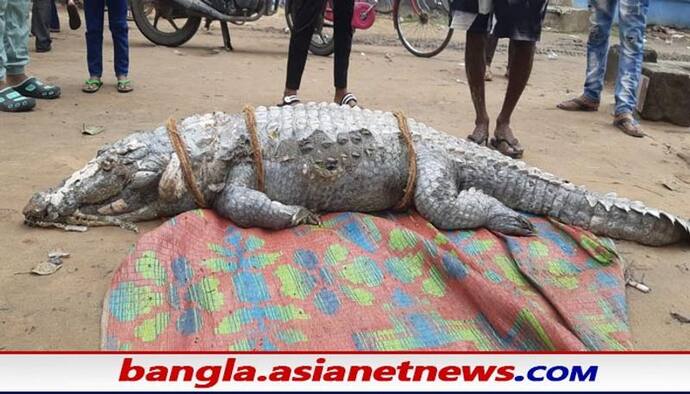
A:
(598, 34)
(119, 27)
(632, 39)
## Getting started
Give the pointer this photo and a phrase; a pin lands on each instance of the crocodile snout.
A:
(37, 208)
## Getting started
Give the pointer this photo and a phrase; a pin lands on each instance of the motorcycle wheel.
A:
(147, 16)
(322, 43)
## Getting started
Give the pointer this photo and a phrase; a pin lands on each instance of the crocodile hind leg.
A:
(247, 207)
(439, 199)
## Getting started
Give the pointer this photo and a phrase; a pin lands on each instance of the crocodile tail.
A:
(607, 214)
(630, 220)
(529, 189)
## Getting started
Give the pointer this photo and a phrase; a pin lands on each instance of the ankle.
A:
(289, 92)
(339, 93)
(15, 79)
(482, 120)
(503, 120)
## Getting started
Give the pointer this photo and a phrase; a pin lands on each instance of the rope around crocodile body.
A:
(250, 120)
(407, 197)
(186, 166)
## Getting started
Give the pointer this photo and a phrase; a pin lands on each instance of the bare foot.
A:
(480, 133)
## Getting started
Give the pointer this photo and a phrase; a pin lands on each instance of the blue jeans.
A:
(14, 36)
(117, 19)
(632, 19)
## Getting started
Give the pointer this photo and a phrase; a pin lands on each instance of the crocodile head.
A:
(120, 183)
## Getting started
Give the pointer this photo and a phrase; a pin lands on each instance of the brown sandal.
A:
(627, 124)
(579, 104)
(508, 147)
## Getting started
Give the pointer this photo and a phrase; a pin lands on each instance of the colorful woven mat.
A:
(363, 282)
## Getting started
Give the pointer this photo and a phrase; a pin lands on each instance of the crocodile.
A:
(325, 157)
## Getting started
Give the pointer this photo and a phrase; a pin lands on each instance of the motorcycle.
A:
(174, 22)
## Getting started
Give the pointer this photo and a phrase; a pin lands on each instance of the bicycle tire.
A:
(410, 48)
(316, 49)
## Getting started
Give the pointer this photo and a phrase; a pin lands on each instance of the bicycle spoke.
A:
(423, 25)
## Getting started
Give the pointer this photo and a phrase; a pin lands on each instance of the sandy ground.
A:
(40, 148)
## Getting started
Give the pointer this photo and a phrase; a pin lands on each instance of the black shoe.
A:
(43, 48)
(74, 18)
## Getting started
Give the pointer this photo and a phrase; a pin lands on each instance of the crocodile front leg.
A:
(439, 200)
(247, 207)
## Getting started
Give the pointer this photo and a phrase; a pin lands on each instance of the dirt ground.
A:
(41, 148)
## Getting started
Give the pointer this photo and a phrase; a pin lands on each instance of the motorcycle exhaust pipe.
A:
(205, 9)
(202, 8)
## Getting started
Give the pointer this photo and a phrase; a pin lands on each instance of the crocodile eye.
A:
(107, 164)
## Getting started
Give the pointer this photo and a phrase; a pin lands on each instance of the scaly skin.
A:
(321, 157)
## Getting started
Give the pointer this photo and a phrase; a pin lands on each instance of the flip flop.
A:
(349, 99)
(74, 18)
(627, 124)
(124, 86)
(92, 85)
(13, 101)
(34, 88)
(510, 148)
(579, 104)
(289, 100)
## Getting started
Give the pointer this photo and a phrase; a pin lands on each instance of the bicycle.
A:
(425, 17)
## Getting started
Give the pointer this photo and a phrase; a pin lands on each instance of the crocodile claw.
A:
(305, 216)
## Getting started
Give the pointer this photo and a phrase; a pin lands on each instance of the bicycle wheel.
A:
(322, 43)
(423, 26)
(383, 6)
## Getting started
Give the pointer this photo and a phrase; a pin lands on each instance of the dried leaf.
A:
(92, 130)
(680, 318)
(45, 268)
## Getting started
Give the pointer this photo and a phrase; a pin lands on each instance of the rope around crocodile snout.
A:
(250, 120)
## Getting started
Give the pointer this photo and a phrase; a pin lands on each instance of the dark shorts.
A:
(515, 19)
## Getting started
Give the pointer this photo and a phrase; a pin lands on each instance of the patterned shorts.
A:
(515, 19)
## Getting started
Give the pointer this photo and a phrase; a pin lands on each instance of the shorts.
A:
(519, 20)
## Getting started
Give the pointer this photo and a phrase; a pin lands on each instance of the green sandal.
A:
(13, 101)
(92, 85)
(34, 88)
(124, 86)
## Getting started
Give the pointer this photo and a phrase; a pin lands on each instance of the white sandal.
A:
(289, 100)
(348, 99)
